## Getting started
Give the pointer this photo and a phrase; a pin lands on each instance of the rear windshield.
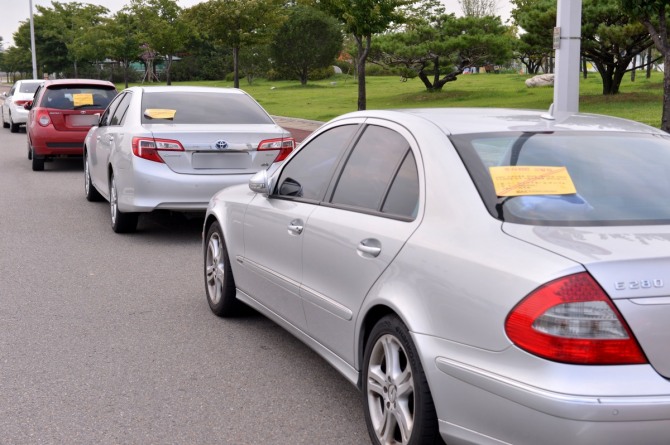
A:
(85, 97)
(201, 108)
(29, 87)
(571, 179)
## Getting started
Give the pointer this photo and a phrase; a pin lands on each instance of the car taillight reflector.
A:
(148, 148)
(284, 145)
(21, 103)
(572, 320)
(43, 118)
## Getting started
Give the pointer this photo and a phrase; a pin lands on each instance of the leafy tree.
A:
(164, 29)
(479, 8)
(308, 40)
(16, 59)
(537, 19)
(611, 39)
(120, 39)
(59, 35)
(238, 23)
(653, 14)
(363, 19)
(444, 48)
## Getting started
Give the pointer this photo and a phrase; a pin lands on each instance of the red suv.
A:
(61, 114)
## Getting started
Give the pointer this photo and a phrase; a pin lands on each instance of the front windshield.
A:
(571, 179)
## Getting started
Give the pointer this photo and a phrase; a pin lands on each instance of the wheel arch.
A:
(372, 316)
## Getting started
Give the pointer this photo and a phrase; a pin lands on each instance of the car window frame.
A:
(337, 165)
(387, 187)
(326, 198)
(104, 117)
(123, 97)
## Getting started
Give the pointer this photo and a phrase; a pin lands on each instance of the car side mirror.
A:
(4, 94)
(259, 183)
(28, 105)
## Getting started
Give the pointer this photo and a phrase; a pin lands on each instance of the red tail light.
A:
(572, 320)
(284, 145)
(20, 103)
(148, 148)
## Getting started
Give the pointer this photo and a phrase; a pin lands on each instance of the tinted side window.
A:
(104, 119)
(120, 112)
(308, 173)
(370, 169)
(403, 196)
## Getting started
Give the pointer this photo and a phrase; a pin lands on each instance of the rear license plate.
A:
(221, 160)
(82, 120)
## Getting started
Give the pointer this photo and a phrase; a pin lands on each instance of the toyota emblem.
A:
(221, 145)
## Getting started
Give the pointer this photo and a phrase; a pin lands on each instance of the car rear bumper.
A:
(58, 143)
(153, 186)
(549, 403)
(19, 115)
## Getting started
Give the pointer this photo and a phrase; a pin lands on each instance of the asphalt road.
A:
(108, 339)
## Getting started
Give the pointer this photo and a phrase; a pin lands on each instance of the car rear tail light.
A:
(20, 103)
(572, 320)
(43, 118)
(148, 148)
(284, 145)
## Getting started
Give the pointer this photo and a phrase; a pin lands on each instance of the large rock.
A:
(541, 80)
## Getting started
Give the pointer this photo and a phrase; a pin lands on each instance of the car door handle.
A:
(369, 248)
(295, 227)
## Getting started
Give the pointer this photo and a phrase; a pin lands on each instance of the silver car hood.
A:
(631, 263)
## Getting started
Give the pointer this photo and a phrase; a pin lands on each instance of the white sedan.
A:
(174, 147)
(12, 111)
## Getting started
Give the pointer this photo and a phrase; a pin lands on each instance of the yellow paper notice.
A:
(159, 113)
(82, 99)
(531, 180)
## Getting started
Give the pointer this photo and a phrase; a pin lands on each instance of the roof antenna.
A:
(549, 115)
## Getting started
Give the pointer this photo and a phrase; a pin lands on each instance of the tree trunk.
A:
(363, 51)
(648, 63)
(168, 78)
(236, 68)
(585, 68)
(665, 119)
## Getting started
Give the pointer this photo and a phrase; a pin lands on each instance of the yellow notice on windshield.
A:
(159, 113)
(82, 99)
(531, 180)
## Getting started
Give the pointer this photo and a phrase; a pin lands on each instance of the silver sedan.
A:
(174, 147)
(484, 276)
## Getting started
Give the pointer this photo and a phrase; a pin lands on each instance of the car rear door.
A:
(106, 135)
(371, 211)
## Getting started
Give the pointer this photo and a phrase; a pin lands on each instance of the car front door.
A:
(368, 215)
(274, 226)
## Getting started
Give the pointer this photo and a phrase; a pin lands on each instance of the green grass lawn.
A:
(322, 100)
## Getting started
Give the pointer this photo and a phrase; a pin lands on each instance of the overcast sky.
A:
(13, 12)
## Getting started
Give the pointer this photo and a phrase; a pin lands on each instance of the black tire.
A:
(38, 163)
(121, 222)
(92, 194)
(2, 117)
(13, 128)
(219, 281)
(389, 400)
(30, 150)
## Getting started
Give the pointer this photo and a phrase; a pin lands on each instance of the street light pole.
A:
(32, 40)
(567, 42)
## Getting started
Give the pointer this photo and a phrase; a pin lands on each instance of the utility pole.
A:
(32, 40)
(567, 42)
